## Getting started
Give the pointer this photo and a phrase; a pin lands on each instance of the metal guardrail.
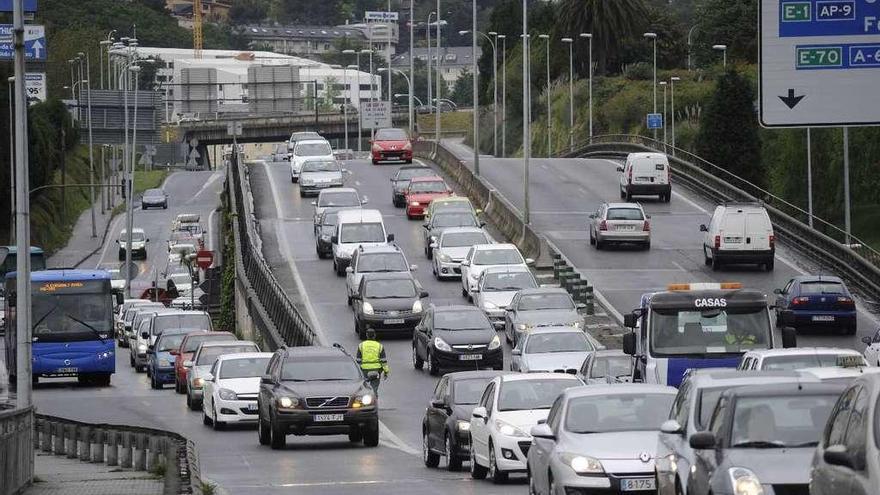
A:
(856, 262)
(16, 450)
(275, 317)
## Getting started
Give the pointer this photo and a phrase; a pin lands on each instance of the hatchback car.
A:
(438, 223)
(318, 174)
(324, 230)
(455, 337)
(387, 301)
(201, 363)
(801, 357)
(401, 179)
(872, 351)
(160, 361)
(599, 439)
(374, 259)
(620, 223)
(154, 198)
(541, 307)
(308, 149)
(337, 197)
(391, 145)
(552, 349)
(421, 191)
(188, 346)
(496, 288)
(231, 388)
(816, 301)
(450, 248)
(139, 242)
(451, 203)
(484, 256)
(606, 366)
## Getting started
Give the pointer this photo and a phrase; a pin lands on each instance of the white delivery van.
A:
(356, 228)
(739, 233)
(645, 174)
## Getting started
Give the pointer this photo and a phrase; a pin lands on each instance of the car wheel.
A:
(429, 253)
(453, 461)
(205, 419)
(121, 255)
(348, 299)
(477, 472)
(706, 259)
(339, 270)
(464, 292)
(355, 435)
(302, 193)
(417, 362)
(155, 383)
(191, 403)
(140, 369)
(361, 330)
(430, 459)
(592, 239)
(769, 266)
(131, 360)
(647, 246)
(599, 244)
(263, 432)
(716, 265)
(371, 436)
(622, 194)
(668, 197)
(432, 367)
(628, 197)
(497, 475)
(279, 436)
(218, 425)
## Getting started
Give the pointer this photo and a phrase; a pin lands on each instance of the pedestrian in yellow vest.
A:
(371, 358)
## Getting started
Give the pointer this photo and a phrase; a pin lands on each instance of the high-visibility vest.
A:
(370, 355)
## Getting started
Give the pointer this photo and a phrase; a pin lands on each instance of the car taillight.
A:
(717, 241)
(629, 176)
(646, 227)
(846, 302)
(800, 300)
(772, 239)
(603, 225)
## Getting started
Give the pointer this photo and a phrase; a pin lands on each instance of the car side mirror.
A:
(365, 201)
(629, 343)
(516, 352)
(465, 263)
(188, 363)
(777, 291)
(390, 237)
(837, 455)
(150, 349)
(530, 261)
(482, 224)
(789, 337)
(145, 335)
(671, 426)
(702, 440)
(116, 241)
(349, 269)
(334, 239)
(866, 340)
(630, 320)
(620, 169)
(434, 245)
(480, 413)
(413, 267)
(543, 431)
(423, 294)
(438, 403)
(580, 305)
(267, 380)
(592, 215)
(703, 228)
(209, 377)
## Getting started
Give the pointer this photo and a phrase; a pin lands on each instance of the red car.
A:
(421, 191)
(392, 145)
(185, 352)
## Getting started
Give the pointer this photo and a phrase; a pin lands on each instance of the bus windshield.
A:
(708, 331)
(64, 315)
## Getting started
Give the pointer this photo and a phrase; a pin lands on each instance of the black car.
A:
(446, 426)
(154, 198)
(400, 181)
(387, 301)
(315, 390)
(324, 230)
(456, 337)
(762, 435)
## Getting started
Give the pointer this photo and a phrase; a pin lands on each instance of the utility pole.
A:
(91, 148)
(527, 147)
(11, 87)
(809, 178)
(437, 81)
(570, 43)
(476, 90)
(503, 94)
(546, 37)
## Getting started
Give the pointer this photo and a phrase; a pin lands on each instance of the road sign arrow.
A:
(791, 100)
(37, 47)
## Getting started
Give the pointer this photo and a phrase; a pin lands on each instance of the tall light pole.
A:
(546, 37)
(360, 113)
(653, 38)
(11, 83)
(437, 82)
(672, 81)
(503, 39)
(347, 85)
(88, 83)
(430, 61)
(690, 33)
(101, 47)
(409, 87)
(388, 53)
(475, 68)
(589, 37)
(412, 61)
(527, 147)
(570, 42)
(494, 43)
(723, 50)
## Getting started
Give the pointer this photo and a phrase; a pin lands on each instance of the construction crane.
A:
(197, 29)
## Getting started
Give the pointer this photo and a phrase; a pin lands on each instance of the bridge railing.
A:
(826, 244)
(16, 450)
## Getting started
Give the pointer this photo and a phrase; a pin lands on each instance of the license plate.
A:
(733, 240)
(67, 370)
(252, 407)
(394, 321)
(637, 484)
(625, 227)
(324, 418)
(470, 357)
(823, 318)
(642, 179)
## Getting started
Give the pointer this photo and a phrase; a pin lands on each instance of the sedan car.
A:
(553, 349)
(446, 220)
(496, 288)
(599, 439)
(816, 301)
(337, 197)
(160, 361)
(421, 191)
(231, 388)
(541, 307)
(455, 337)
(484, 256)
(154, 198)
(319, 173)
(450, 203)
(188, 346)
(762, 437)
(502, 421)
(308, 149)
(391, 145)
(620, 223)
(401, 179)
(447, 421)
(387, 301)
(450, 248)
(201, 363)
(606, 366)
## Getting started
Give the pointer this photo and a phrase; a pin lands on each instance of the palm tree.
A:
(610, 21)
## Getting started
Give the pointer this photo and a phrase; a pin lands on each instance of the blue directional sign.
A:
(655, 121)
(29, 5)
(34, 42)
(802, 18)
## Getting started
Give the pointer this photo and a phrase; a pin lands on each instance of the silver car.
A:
(438, 223)
(552, 349)
(154, 198)
(620, 223)
(599, 437)
(452, 246)
(496, 288)
(606, 366)
(541, 307)
(318, 174)
(337, 197)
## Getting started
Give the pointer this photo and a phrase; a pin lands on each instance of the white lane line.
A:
(214, 177)
(545, 212)
(688, 201)
(211, 232)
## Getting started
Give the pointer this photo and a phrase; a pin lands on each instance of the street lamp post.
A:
(346, 85)
(412, 60)
(546, 37)
(430, 60)
(437, 82)
(526, 113)
(690, 33)
(11, 82)
(494, 43)
(503, 39)
(101, 45)
(360, 113)
(663, 84)
(589, 36)
(672, 81)
(409, 87)
(723, 50)
(570, 42)
(653, 38)
(88, 83)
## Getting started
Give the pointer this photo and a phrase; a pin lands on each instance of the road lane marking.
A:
(216, 175)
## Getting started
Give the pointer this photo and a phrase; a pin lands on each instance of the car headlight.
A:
(363, 401)
(489, 305)
(325, 237)
(105, 355)
(744, 482)
(287, 402)
(522, 327)
(164, 363)
(368, 308)
(142, 348)
(445, 258)
(198, 382)
(463, 426)
(495, 343)
(441, 345)
(417, 307)
(414, 203)
(582, 464)
(377, 148)
(509, 430)
(308, 182)
(226, 394)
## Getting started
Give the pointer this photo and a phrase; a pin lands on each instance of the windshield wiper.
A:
(93, 329)
(811, 443)
(388, 297)
(759, 444)
(35, 325)
(584, 432)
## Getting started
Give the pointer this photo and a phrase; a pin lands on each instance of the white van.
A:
(356, 228)
(739, 233)
(645, 174)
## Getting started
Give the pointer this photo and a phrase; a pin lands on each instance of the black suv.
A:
(315, 390)
(387, 301)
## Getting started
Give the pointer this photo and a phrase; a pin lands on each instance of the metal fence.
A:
(16, 450)
(825, 244)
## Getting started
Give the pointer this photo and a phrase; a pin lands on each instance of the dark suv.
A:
(315, 390)
(387, 301)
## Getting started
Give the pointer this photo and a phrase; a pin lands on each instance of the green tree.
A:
(724, 22)
(728, 135)
(610, 22)
(248, 11)
(463, 90)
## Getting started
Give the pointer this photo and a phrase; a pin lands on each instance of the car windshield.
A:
(710, 331)
(503, 256)
(164, 322)
(328, 369)
(624, 214)
(517, 395)
(799, 361)
(819, 288)
(210, 354)
(169, 342)
(386, 289)
(362, 232)
(329, 219)
(320, 166)
(612, 366)
(71, 316)
(454, 220)
(779, 422)
(313, 149)
(244, 367)
(535, 302)
(382, 262)
(405, 174)
(557, 342)
(339, 198)
(461, 320)
(193, 342)
(623, 412)
(135, 236)
(132, 313)
(428, 186)
(391, 135)
(463, 239)
(154, 192)
(495, 282)
(468, 391)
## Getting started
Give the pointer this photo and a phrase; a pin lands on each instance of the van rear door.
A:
(758, 230)
(649, 170)
(733, 231)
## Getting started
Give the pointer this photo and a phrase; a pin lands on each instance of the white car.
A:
(872, 352)
(449, 250)
(139, 242)
(231, 387)
(800, 357)
(308, 149)
(483, 256)
(501, 423)
(496, 288)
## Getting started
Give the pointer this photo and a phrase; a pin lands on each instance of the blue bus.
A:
(9, 255)
(72, 318)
